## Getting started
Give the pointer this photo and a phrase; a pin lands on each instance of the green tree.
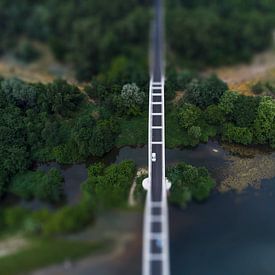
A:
(227, 102)
(245, 110)
(265, 120)
(109, 187)
(214, 115)
(44, 186)
(188, 115)
(194, 132)
(132, 98)
(189, 182)
(205, 92)
(240, 135)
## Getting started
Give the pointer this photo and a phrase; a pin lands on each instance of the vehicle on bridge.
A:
(154, 157)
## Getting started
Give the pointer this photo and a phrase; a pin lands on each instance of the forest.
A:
(97, 37)
(212, 33)
(87, 34)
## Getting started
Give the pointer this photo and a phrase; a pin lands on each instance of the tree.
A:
(109, 187)
(265, 120)
(59, 97)
(189, 182)
(132, 98)
(240, 135)
(214, 115)
(188, 115)
(194, 132)
(205, 92)
(19, 93)
(38, 184)
(227, 102)
(245, 110)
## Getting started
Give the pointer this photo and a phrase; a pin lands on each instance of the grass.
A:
(133, 132)
(44, 252)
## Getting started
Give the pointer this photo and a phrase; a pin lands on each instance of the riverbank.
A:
(123, 230)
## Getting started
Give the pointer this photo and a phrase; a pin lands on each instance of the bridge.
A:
(156, 231)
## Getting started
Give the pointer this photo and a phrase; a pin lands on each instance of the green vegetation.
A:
(134, 131)
(91, 35)
(109, 186)
(66, 219)
(106, 187)
(189, 183)
(57, 121)
(206, 33)
(40, 185)
(43, 252)
(204, 92)
(208, 109)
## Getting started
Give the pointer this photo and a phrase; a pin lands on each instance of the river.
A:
(232, 233)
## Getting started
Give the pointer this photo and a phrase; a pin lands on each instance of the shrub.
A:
(44, 186)
(188, 115)
(205, 92)
(109, 187)
(189, 182)
(240, 135)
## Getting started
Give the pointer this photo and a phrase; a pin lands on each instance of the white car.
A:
(154, 157)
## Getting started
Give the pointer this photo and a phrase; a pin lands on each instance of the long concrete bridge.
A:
(156, 230)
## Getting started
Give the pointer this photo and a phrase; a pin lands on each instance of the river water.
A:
(229, 234)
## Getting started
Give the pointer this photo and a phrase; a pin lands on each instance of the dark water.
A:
(229, 234)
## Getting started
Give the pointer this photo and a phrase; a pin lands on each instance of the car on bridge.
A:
(154, 157)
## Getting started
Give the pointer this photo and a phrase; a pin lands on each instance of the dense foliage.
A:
(189, 182)
(66, 219)
(109, 186)
(90, 34)
(203, 33)
(209, 109)
(42, 122)
(105, 187)
(38, 184)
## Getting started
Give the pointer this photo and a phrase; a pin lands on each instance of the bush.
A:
(68, 219)
(188, 115)
(245, 110)
(189, 182)
(214, 115)
(240, 135)
(109, 187)
(44, 186)
(205, 92)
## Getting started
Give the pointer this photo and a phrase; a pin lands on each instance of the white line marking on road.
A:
(156, 218)
(156, 204)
